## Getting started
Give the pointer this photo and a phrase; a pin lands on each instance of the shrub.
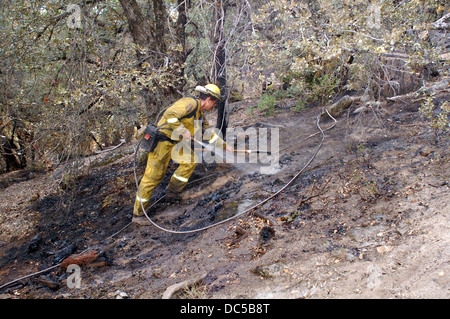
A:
(437, 116)
(267, 104)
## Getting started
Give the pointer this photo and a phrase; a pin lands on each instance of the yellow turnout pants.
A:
(157, 163)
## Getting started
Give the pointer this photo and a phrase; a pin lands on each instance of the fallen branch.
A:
(340, 106)
(88, 258)
(443, 23)
(122, 141)
(304, 200)
(183, 285)
(400, 97)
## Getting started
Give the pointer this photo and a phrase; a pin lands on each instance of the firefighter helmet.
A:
(210, 89)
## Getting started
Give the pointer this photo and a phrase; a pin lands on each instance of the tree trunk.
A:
(160, 24)
(181, 23)
(181, 56)
(220, 65)
(139, 26)
(14, 157)
(149, 35)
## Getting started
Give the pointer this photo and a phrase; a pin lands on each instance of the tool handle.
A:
(236, 151)
(242, 151)
(252, 151)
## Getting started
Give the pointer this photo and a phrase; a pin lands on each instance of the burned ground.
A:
(367, 218)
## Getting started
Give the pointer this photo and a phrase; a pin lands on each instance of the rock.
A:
(360, 233)
(286, 158)
(119, 294)
(384, 249)
(343, 254)
(272, 270)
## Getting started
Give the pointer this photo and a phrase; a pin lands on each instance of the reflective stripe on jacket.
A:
(186, 111)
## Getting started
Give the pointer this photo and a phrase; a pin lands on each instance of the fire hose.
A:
(322, 132)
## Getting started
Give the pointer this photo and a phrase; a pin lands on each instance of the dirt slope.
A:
(368, 219)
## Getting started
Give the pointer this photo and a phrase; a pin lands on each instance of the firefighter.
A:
(179, 120)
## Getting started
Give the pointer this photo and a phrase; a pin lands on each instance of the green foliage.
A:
(323, 88)
(267, 104)
(437, 115)
(311, 42)
(299, 106)
(75, 89)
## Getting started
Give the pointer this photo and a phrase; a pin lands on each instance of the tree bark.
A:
(160, 24)
(181, 56)
(139, 26)
(220, 65)
(14, 157)
(181, 23)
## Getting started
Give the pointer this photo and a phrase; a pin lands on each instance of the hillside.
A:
(368, 218)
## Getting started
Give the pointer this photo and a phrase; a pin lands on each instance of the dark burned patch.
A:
(266, 234)
(96, 207)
